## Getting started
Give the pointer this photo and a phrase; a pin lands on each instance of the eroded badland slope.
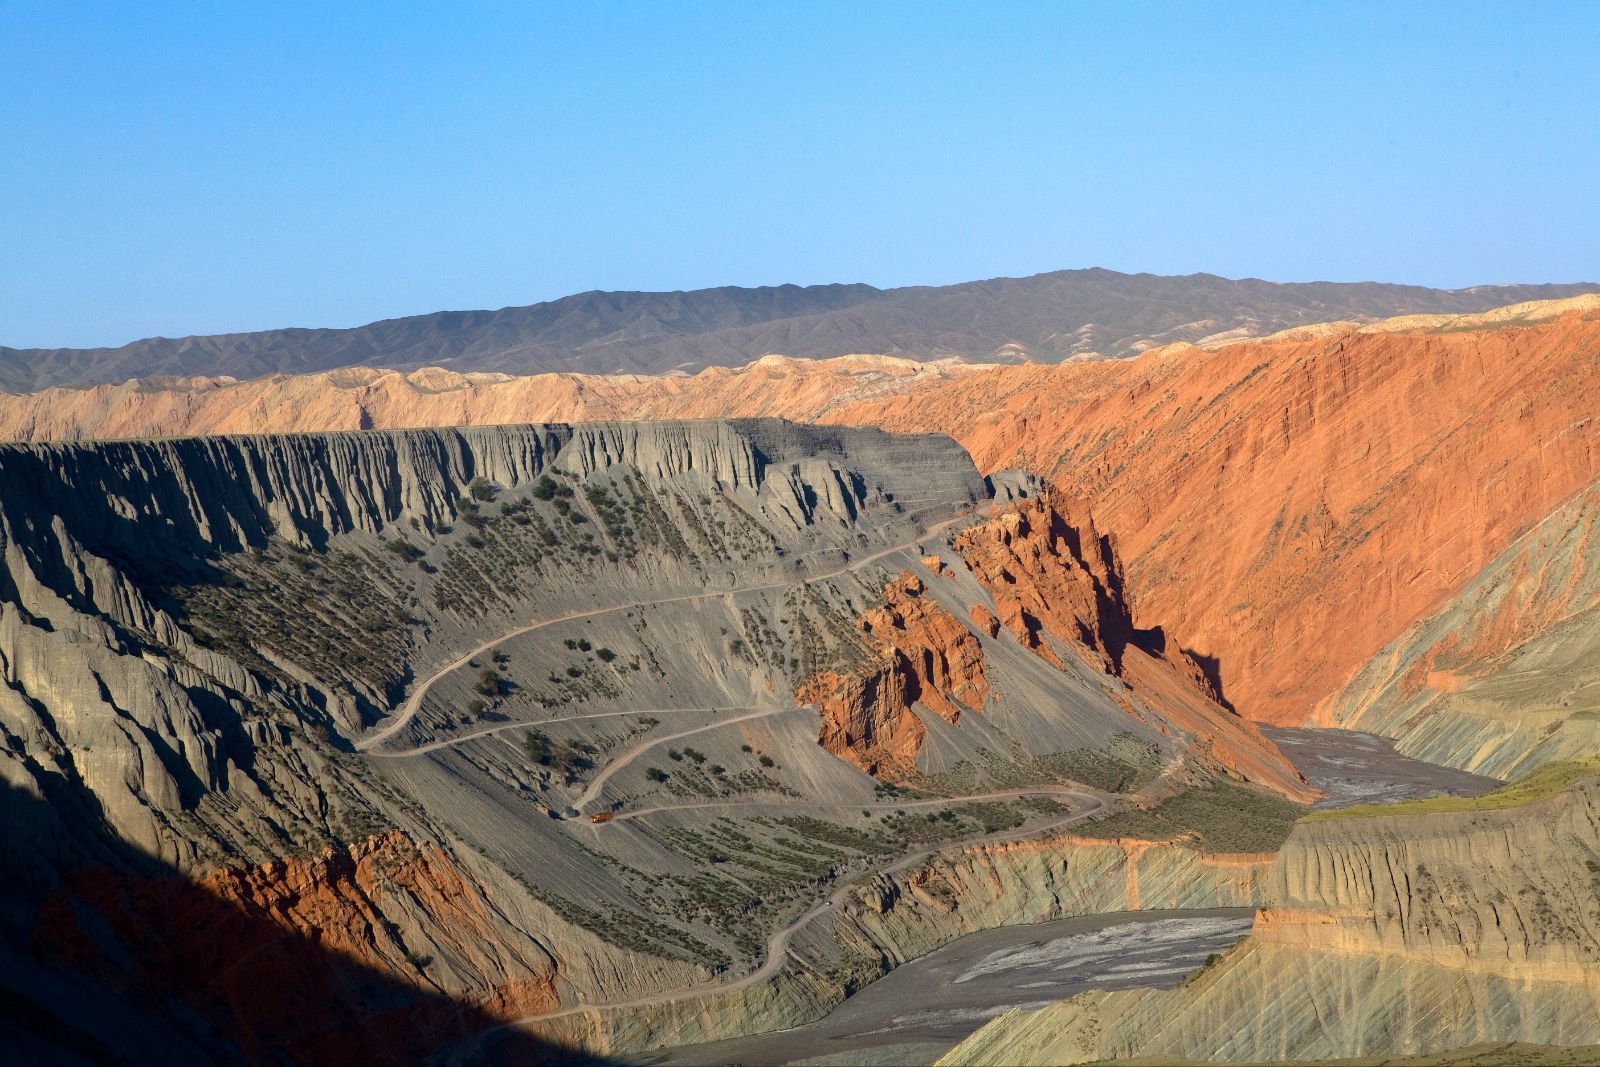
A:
(1286, 507)
(1412, 929)
(305, 735)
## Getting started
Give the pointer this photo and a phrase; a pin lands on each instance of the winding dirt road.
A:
(642, 747)
(778, 944)
(413, 703)
(932, 802)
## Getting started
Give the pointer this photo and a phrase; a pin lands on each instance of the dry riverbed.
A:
(920, 1010)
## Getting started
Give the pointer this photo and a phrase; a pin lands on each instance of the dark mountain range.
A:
(1047, 317)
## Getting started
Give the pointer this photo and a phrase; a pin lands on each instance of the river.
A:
(918, 1011)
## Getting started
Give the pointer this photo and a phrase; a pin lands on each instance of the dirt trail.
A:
(931, 802)
(778, 943)
(413, 703)
(642, 747)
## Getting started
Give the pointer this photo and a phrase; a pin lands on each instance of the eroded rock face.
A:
(1290, 506)
(337, 958)
(1274, 501)
(1503, 678)
(1051, 575)
(921, 654)
(1387, 935)
(181, 791)
(1058, 589)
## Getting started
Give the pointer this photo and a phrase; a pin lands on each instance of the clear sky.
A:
(174, 168)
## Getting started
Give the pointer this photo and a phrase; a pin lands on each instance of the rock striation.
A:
(1268, 497)
(1504, 677)
(186, 632)
(1058, 588)
(1391, 934)
(1288, 507)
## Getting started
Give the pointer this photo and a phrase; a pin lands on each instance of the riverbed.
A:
(918, 1011)
(1359, 768)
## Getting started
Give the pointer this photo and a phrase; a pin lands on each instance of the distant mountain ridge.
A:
(1046, 317)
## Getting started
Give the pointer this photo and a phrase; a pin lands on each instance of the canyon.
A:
(480, 717)
(286, 694)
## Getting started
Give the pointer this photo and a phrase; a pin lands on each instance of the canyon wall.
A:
(899, 916)
(1407, 930)
(1286, 506)
(1507, 676)
(192, 839)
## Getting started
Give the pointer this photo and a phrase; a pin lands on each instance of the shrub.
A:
(545, 488)
(404, 549)
(656, 774)
(605, 654)
(767, 761)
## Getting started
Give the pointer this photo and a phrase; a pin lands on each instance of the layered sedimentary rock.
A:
(186, 633)
(1287, 507)
(1273, 500)
(361, 398)
(1507, 676)
(1388, 934)
(920, 654)
(899, 916)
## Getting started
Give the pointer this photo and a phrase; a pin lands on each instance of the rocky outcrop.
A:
(1273, 500)
(1052, 577)
(1383, 935)
(1288, 507)
(1058, 589)
(184, 774)
(921, 654)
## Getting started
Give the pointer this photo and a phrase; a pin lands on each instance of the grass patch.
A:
(1547, 780)
(1222, 817)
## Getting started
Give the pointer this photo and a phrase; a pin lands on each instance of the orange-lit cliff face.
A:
(1287, 507)
(1058, 590)
(921, 654)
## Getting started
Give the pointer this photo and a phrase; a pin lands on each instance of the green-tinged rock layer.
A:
(1507, 675)
(1383, 935)
(900, 916)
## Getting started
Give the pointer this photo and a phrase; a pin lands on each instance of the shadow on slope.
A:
(110, 957)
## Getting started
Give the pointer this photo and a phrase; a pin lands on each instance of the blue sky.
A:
(175, 168)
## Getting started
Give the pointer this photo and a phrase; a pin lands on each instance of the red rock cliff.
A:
(1058, 589)
(921, 654)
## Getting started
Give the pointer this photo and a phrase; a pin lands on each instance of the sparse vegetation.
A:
(1222, 817)
(1547, 780)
